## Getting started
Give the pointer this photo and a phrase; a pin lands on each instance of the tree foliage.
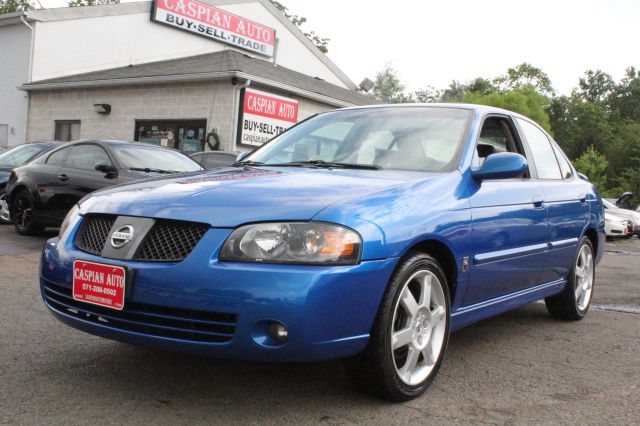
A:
(9, 6)
(594, 165)
(388, 87)
(321, 43)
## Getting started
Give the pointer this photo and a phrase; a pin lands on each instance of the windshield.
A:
(404, 138)
(139, 157)
(19, 155)
(608, 205)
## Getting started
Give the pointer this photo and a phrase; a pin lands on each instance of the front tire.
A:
(573, 303)
(24, 215)
(410, 333)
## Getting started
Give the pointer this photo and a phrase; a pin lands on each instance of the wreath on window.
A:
(213, 140)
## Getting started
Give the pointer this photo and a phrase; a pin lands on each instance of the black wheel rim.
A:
(23, 213)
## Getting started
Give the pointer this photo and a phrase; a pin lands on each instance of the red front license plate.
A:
(99, 284)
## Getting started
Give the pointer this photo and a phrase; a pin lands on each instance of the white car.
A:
(616, 226)
(630, 215)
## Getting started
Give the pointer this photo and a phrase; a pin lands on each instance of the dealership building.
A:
(193, 75)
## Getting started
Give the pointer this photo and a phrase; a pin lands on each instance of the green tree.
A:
(9, 6)
(388, 87)
(594, 166)
(427, 95)
(626, 102)
(524, 75)
(80, 3)
(321, 43)
(526, 101)
(597, 87)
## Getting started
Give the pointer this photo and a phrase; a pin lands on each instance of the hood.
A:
(233, 196)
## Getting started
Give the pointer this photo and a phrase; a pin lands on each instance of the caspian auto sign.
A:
(214, 23)
(265, 116)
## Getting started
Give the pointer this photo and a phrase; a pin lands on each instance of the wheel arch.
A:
(19, 187)
(592, 234)
(441, 252)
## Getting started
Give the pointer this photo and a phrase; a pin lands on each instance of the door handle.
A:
(582, 198)
(538, 201)
(63, 177)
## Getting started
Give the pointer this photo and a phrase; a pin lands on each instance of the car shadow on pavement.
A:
(108, 367)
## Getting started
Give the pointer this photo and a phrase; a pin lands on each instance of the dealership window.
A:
(67, 130)
(187, 136)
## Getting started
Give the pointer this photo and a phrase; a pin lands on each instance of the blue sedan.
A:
(368, 234)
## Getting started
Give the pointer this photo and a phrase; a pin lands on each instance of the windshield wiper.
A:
(150, 170)
(247, 163)
(311, 163)
(331, 164)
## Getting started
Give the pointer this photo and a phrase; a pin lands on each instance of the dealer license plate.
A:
(99, 284)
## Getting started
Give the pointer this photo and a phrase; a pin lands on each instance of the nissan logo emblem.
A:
(122, 236)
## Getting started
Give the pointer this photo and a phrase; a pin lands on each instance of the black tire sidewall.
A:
(409, 267)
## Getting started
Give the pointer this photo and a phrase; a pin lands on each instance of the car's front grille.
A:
(94, 232)
(147, 319)
(166, 241)
(170, 241)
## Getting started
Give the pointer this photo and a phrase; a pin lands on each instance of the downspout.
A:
(236, 112)
(29, 78)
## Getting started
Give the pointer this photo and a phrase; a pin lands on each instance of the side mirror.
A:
(502, 165)
(105, 167)
(242, 155)
(583, 176)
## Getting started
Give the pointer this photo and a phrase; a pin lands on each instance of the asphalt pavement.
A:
(522, 367)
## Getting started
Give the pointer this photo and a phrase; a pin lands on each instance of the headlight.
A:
(69, 220)
(298, 243)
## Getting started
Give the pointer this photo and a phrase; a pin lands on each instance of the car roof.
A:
(471, 107)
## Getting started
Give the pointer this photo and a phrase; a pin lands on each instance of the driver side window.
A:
(497, 135)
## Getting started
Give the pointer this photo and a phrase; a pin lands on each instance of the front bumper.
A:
(329, 311)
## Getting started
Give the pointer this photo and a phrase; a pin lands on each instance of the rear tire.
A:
(574, 301)
(410, 334)
(24, 216)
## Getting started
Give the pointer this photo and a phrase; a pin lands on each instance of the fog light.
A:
(278, 332)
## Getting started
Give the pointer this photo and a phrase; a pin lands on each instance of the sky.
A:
(434, 42)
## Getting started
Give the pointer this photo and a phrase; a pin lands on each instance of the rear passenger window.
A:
(565, 168)
(543, 156)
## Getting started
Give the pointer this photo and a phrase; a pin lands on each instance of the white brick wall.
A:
(213, 101)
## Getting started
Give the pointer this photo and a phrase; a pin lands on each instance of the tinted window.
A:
(85, 157)
(57, 158)
(19, 155)
(141, 157)
(543, 156)
(219, 160)
(565, 168)
(197, 157)
(407, 138)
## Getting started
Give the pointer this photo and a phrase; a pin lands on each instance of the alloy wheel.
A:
(584, 277)
(419, 326)
(23, 212)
